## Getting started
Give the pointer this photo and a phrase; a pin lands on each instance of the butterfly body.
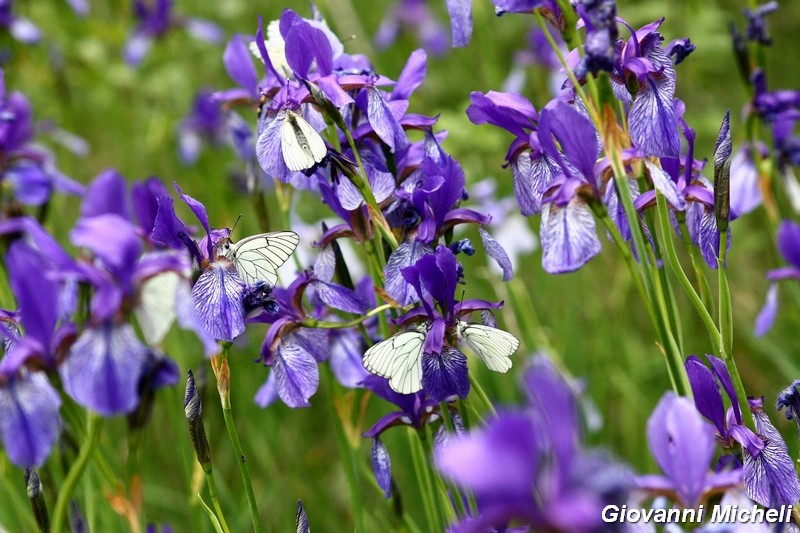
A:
(258, 257)
(302, 147)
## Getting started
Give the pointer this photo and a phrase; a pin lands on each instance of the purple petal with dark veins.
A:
(103, 368)
(531, 177)
(664, 184)
(383, 121)
(445, 374)
(296, 374)
(770, 477)
(497, 253)
(268, 148)
(217, 296)
(325, 264)
(653, 124)
(568, 237)
(29, 420)
(407, 254)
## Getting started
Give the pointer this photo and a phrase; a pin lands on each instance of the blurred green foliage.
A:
(593, 318)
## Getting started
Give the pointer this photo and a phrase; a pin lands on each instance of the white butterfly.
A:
(492, 346)
(301, 145)
(258, 257)
(399, 359)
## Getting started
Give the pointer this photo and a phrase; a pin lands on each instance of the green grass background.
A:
(592, 319)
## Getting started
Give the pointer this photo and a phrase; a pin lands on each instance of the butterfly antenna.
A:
(236, 223)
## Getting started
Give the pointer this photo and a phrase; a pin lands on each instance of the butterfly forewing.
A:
(258, 257)
(301, 145)
(493, 346)
(398, 359)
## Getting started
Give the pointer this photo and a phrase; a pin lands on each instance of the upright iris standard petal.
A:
(29, 420)
(106, 194)
(218, 295)
(766, 317)
(35, 292)
(103, 368)
(574, 132)
(707, 397)
(296, 374)
(789, 242)
(113, 240)
(682, 445)
(568, 237)
(407, 254)
(444, 375)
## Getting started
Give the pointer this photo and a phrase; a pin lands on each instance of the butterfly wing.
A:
(155, 312)
(398, 359)
(258, 257)
(301, 145)
(492, 346)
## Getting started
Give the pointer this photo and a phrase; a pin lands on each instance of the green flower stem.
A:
(660, 315)
(675, 265)
(212, 491)
(423, 475)
(697, 262)
(372, 204)
(60, 514)
(455, 491)
(726, 332)
(309, 322)
(476, 386)
(223, 387)
(445, 495)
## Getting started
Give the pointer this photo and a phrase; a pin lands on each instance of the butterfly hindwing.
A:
(301, 145)
(493, 346)
(398, 359)
(259, 256)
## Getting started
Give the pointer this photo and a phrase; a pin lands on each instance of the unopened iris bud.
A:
(33, 487)
(722, 174)
(327, 107)
(193, 409)
(301, 521)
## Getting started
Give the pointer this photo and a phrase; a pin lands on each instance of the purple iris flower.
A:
(414, 16)
(26, 167)
(20, 28)
(29, 420)
(756, 23)
(528, 464)
(769, 475)
(687, 191)
(600, 49)
(745, 187)
(683, 446)
(292, 350)
(441, 365)
(206, 123)
(568, 228)
(415, 411)
(644, 77)
(106, 363)
(789, 248)
(154, 20)
(679, 49)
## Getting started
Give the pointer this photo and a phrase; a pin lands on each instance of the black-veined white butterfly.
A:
(399, 358)
(258, 257)
(301, 145)
(492, 346)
